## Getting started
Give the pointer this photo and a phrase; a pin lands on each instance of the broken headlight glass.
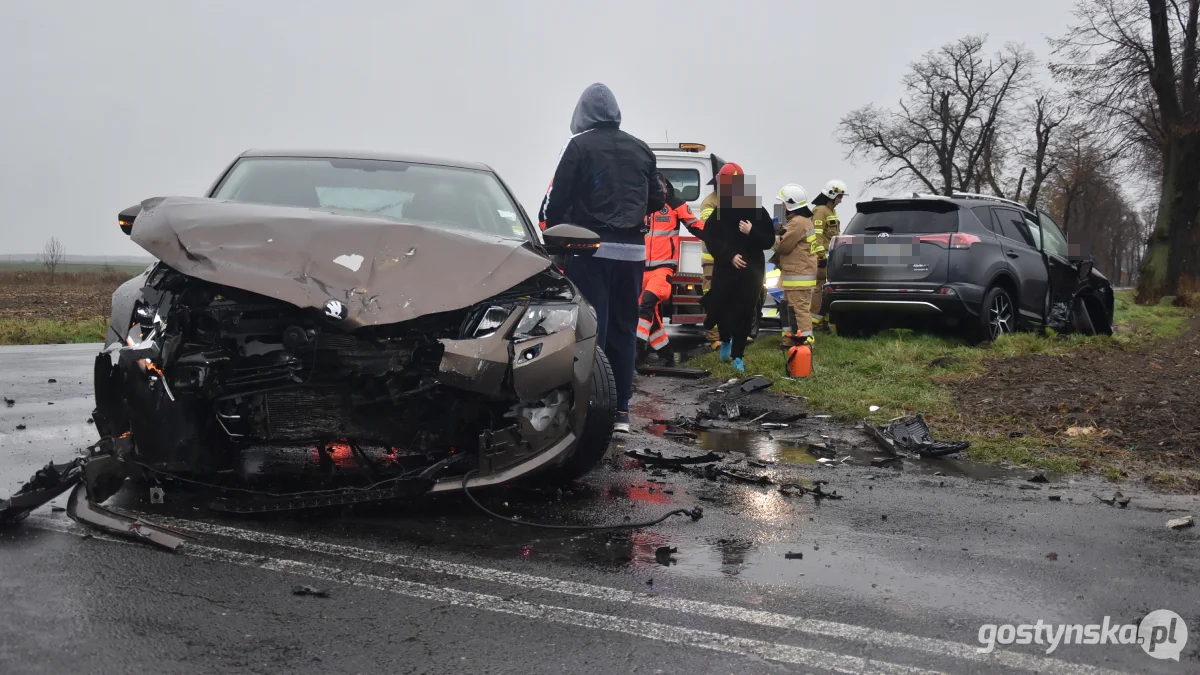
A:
(540, 320)
(490, 322)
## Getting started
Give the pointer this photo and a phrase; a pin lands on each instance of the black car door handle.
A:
(1012, 254)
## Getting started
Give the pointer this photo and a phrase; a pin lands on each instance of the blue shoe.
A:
(739, 366)
(726, 351)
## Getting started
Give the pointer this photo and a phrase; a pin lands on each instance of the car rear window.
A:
(904, 218)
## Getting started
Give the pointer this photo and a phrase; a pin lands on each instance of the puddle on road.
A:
(790, 446)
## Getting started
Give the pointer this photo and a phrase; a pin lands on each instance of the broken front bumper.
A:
(92, 479)
(548, 375)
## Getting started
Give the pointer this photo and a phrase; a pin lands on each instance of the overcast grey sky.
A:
(106, 104)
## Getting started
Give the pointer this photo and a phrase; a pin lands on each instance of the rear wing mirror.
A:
(125, 218)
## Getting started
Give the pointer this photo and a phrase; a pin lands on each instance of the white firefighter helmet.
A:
(793, 197)
(834, 188)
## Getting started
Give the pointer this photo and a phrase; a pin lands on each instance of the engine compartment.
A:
(207, 372)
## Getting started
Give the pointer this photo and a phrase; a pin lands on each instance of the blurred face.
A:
(746, 197)
(837, 200)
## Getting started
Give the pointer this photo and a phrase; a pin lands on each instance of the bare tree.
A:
(1087, 200)
(1020, 156)
(955, 101)
(1133, 65)
(52, 256)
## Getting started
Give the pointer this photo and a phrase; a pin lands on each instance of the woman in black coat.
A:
(736, 235)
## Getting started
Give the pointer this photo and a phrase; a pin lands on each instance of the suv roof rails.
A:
(975, 195)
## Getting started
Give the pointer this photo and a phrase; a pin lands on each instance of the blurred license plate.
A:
(889, 250)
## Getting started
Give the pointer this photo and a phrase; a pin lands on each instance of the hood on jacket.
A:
(383, 271)
(596, 106)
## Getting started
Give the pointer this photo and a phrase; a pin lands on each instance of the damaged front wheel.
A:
(598, 429)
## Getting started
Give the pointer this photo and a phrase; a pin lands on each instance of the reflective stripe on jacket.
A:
(797, 261)
(662, 237)
(827, 225)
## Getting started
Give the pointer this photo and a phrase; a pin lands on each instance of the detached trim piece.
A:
(82, 510)
(513, 472)
(99, 474)
(48, 483)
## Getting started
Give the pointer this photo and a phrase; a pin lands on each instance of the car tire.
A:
(997, 316)
(598, 427)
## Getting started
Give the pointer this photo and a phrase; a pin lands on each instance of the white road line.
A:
(688, 637)
(876, 637)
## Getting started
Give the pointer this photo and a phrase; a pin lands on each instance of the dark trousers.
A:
(737, 331)
(613, 287)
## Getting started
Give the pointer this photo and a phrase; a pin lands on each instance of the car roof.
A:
(965, 200)
(369, 154)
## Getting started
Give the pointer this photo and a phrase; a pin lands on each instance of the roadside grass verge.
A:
(903, 372)
(49, 332)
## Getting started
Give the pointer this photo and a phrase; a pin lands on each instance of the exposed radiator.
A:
(304, 414)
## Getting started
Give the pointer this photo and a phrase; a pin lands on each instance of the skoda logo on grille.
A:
(335, 310)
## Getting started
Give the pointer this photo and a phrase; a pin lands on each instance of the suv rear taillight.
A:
(839, 240)
(955, 240)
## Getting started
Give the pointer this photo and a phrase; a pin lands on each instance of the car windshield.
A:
(450, 197)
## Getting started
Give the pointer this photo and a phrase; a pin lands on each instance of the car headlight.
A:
(490, 322)
(541, 320)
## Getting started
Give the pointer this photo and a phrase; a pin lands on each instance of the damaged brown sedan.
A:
(402, 308)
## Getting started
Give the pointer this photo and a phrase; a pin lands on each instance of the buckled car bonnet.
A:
(369, 270)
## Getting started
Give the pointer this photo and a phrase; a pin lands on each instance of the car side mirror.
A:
(125, 218)
(1085, 269)
(564, 240)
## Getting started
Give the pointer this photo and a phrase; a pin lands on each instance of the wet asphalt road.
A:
(438, 587)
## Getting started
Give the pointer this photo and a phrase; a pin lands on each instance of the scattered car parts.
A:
(817, 490)
(651, 457)
(911, 434)
(1117, 499)
(310, 591)
(1180, 523)
(673, 371)
(92, 479)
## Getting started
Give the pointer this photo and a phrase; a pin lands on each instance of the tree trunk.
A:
(1171, 265)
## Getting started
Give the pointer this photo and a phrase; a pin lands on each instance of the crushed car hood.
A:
(381, 270)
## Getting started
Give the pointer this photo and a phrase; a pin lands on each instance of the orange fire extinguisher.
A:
(799, 361)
